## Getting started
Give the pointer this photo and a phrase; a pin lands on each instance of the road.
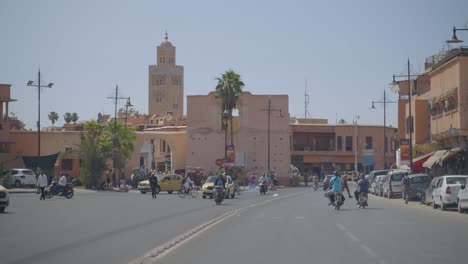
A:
(295, 226)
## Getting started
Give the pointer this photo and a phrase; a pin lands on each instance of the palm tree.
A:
(74, 118)
(67, 117)
(228, 89)
(122, 144)
(53, 117)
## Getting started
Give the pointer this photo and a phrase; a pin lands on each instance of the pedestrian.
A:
(406, 184)
(108, 182)
(153, 184)
(345, 184)
(41, 183)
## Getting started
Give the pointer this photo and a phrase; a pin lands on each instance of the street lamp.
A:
(269, 110)
(355, 119)
(114, 141)
(385, 102)
(127, 105)
(454, 38)
(394, 83)
(39, 86)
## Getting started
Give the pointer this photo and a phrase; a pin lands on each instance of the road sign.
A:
(219, 162)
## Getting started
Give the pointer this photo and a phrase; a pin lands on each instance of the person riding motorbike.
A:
(60, 187)
(220, 183)
(363, 187)
(335, 187)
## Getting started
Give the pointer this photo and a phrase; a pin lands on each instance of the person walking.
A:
(345, 184)
(41, 183)
(406, 184)
(153, 184)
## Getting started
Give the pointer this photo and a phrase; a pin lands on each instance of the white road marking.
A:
(159, 252)
(341, 227)
(299, 217)
(353, 237)
(368, 251)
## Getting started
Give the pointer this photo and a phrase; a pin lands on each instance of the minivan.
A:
(391, 185)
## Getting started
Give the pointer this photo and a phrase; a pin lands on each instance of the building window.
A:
(349, 143)
(67, 164)
(368, 142)
(339, 143)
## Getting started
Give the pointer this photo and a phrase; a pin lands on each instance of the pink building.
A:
(206, 138)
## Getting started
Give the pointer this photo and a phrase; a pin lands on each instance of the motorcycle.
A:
(218, 195)
(52, 190)
(263, 187)
(363, 200)
(338, 201)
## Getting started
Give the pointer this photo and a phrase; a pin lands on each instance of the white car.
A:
(391, 185)
(4, 199)
(462, 198)
(21, 177)
(446, 190)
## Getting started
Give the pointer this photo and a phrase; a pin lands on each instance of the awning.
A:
(435, 158)
(451, 153)
(419, 161)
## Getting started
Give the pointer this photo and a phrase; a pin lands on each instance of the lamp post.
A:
(355, 119)
(114, 141)
(269, 110)
(39, 86)
(410, 92)
(454, 38)
(385, 102)
(127, 105)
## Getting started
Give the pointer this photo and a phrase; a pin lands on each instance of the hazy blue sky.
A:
(346, 50)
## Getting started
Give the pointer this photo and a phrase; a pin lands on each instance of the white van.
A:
(21, 177)
(391, 185)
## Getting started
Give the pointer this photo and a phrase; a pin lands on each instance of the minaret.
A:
(166, 83)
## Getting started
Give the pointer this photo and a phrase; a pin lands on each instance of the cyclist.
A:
(188, 184)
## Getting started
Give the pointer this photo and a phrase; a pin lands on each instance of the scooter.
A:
(218, 195)
(338, 200)
(363, 200)
(263, 187)
(52, 190)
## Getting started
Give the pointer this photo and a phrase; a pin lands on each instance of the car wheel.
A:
(169, 192)
(17, 184)
(2, 210)
(434, 205)
(442, 205)
(204, 196)
(460, 209)
(143, 192)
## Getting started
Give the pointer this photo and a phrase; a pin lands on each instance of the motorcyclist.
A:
(220, 183)
(363, 187)
(335, 187)
(60, 187)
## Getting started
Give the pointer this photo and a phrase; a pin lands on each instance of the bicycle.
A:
(192, 191)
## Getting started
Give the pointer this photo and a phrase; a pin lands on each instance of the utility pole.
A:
(356, 118)
(127, 105)
(385, 102)
(114, 141)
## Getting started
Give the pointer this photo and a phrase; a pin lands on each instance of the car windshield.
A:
(211, 179)
(397, 177)
(455, 180)
(420, 179)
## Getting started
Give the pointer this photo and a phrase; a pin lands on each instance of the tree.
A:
(15, 122)
(94, 150)
(123, 143)
(53, 117)
(67, 117)
(342, 121)
(74, 118)
(228, 90)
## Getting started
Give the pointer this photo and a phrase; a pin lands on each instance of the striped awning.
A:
(437, 157)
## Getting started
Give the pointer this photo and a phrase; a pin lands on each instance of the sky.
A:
(343, 53)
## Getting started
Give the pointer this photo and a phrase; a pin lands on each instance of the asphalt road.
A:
(300, 228)
(103, 227)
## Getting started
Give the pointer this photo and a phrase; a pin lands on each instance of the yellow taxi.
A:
(208, 186)
(166, 183)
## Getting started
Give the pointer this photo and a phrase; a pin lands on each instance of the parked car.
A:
(373, 174)
(166, 183)
(462, 198)
(376, 186)
(391, 185)
(418, 183)
(21, 177)
(428, 192)
(445, 193)
(4, 199)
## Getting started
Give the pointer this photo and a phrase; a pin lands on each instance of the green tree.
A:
(94, 150)
(68, 118)
(228, 90)
(74, 118)
(342, 121)
(123, 143)
(53, 117)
